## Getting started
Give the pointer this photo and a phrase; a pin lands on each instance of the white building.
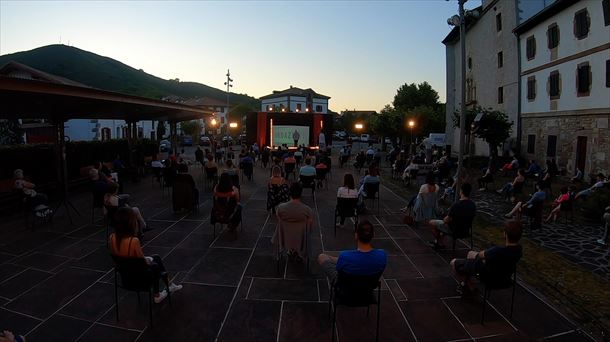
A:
(565, 84)
(295, 100)
(492, 64)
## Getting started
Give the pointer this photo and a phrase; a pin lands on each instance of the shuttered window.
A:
(551, 146)
(584, 79)
(531, 88)
(606, 9)
(531, 144)
(581, 24)
(553, 36)
(530, 47)
(554, 85)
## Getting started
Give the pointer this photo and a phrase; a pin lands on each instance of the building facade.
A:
(565, 85)
(492, 65)
(295, 100)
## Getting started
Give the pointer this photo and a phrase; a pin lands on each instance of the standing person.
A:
(606, 237)
(364, 260)
(199, 155)
(475, 262)
(460, 216)
(296, 136)
(124, 243)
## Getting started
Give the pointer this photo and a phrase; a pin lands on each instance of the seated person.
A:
(360, 160)
(293, 215)
(606, 237)
(277, 189)
(289, 159)
(156, 164)
(578, 177)
(210, 163)
(600, 183)
(533, 170)
(475, 263)
(227, 191)
(124, 243)
(513, 165)
(298, 156)
(449, 189)
(230, 168)
(371, 178)
(307, 169)
(508, 188)
(364, 260)
(537, 199)
(183, 177)
(460, 216)
(348, 190)
(33, 198)
(556, 205)
(487, 178)
(113, 199)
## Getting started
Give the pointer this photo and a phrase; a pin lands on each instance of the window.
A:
(606, 8)
(469, 63)
(500, 94)
(554, 85)
(552, 35)
(531, 144)
(531, 88)
(500, 59)
(583, 79)
(298, 107)
(319, 109)
(530, 47)
(581, 24)
(608, 73)
(499, 22)
(551, 146)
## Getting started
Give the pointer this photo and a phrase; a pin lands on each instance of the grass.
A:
(580, 294)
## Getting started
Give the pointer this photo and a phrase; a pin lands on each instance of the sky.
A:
(356, 52)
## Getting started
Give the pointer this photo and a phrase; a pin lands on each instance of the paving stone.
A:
(59, 328)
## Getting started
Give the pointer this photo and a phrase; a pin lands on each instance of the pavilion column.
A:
(174, 136)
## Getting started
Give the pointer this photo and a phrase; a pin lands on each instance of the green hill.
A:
(109, 74)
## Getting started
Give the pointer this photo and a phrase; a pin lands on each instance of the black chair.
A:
(110, 219)
(355, 291)
(398, 168)
(290, 169)
(346, 207)
(136, 276)
(567, 207)
(308, 182)
(412, 176)
(222, 210)
(498, 277)
(372, 193)
(280, 250)
(516, 190)
(211, 177)
(168, 180)
(248, 170)
(534, 216)
(461, 230)
(157, 173)
(97, 202)
(235, 180)
(321, 178)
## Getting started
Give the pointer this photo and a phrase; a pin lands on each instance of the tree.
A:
(410, 96)
(494, 126)
(427, 120)
(10, 132)
(192, 128)
(237, 113)
(388, 123)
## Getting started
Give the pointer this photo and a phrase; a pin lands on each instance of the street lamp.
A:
(411, 125)
(358, 126)
(459, 20)
(233, 125)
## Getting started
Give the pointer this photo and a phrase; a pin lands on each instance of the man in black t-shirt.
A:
(458, 220)
(496, 263)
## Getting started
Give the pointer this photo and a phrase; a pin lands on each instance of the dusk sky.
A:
(357, 52)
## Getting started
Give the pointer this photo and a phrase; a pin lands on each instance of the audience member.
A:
(460, 217)
(8, 336)
(513, 165)
(225, 190)
(536, 199)
(33, 198)
(230, 168)
(364, 260)
(294, 216)
(533, 169)
(556, 205)
(307, 170)
(426, 202)
(112, 199)
(487, 178)
(277, 189)
(348, 190)
(578, 177)
(605, 239)
(199, 156)
(124, 243)
(600, 183)
(475, 262)
(517, 183)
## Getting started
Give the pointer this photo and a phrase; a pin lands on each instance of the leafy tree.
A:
(410, 96)
(191, 128)
(494, 126)
(388, 123)
(427, 120)
(10, 132)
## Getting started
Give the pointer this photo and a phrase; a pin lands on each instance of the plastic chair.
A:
(355, 291)
(308, 182)
(498, 277)
(222, 211)
(372, 193)
(290, 169)
(346, 207)
(136, 276)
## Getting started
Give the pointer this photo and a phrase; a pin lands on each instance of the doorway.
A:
(581, 153)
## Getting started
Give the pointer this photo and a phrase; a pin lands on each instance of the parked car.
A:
(364, 137)
(165, 146)
(354, 137)
(186, 140)
(388, 141)
(339, 136)
(204, 141)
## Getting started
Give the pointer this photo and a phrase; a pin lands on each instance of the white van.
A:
(364, 137)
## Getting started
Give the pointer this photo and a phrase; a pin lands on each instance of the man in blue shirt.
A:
(537, 199)
(307, 169)
(365, 260)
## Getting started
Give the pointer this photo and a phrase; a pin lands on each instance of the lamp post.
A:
(213, 123)
(359, 127)
(459, 20)
(411, 125)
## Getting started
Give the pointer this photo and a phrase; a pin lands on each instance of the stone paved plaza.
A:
(57, 282)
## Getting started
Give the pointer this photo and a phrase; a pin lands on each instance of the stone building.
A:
(565, 85)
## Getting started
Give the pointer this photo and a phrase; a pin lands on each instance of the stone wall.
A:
(568, 127)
